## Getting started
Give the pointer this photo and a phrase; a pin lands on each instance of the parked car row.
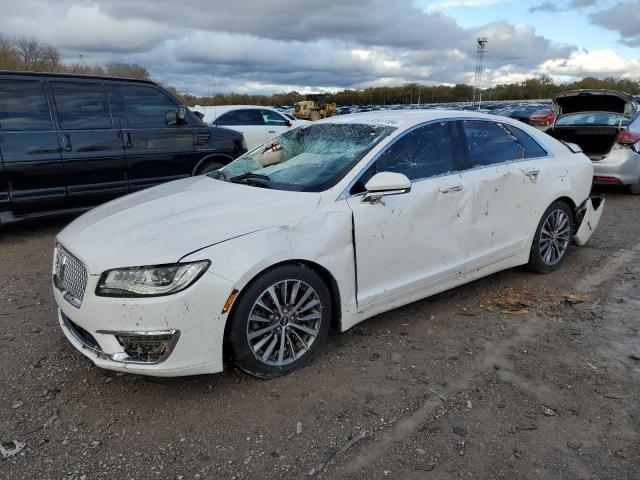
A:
(72, 142)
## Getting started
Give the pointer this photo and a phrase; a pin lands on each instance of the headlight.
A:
(150, 281)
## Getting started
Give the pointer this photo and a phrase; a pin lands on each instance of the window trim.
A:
(457, 160)
(465, 151)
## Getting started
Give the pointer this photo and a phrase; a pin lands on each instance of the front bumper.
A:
(590, 213)
(621, 163)
(190, 321)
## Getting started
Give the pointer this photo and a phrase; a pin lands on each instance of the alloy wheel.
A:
(555, 237)
(284, 322)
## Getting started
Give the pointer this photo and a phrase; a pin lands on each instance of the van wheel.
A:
(280, 321)
(552, 239)
(634, 189)
(209, 167)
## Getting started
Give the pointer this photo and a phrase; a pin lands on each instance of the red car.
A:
(542, 118)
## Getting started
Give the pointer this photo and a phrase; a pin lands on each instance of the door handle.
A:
(532, 174)
(451, 189)
(127, 139)
(66, 142)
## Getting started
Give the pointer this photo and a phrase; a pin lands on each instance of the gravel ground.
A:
(514, 376)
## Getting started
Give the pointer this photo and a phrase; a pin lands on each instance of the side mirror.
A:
(384, 184)
(288, 123)
(200, 115)
(182, 114)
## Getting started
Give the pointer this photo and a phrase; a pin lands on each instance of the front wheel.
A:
(280, 321)
(552, 239)
(209, 167)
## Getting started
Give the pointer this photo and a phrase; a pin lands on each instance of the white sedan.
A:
(257, 124)
(323, 226)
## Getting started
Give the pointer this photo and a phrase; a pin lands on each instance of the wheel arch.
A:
(326, 276)
(221, 157)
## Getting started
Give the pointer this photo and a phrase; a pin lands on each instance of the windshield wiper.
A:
(255, 178)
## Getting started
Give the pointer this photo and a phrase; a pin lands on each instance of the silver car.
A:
(605, 124)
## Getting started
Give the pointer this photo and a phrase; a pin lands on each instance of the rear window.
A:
(81, 105)
(593, 118)
(23, 106)
(241, 117)
(530, 146)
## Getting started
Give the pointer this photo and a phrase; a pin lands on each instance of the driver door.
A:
(411, 245)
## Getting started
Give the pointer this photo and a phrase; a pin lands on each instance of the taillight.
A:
(627, 138)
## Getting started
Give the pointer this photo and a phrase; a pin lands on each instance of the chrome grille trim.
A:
(69, 276)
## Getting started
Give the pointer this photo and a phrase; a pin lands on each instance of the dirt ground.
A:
(516, 376)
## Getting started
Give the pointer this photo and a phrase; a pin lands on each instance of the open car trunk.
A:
(595, 141)
(598, 138)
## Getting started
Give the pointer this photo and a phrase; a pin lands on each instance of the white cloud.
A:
(599, 63)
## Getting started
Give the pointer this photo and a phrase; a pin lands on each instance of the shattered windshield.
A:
(312, 158)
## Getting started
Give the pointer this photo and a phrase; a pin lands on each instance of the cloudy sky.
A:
(265, 46)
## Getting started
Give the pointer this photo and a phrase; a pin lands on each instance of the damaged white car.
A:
(325, 225)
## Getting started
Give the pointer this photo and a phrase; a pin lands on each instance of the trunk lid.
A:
(576, 101)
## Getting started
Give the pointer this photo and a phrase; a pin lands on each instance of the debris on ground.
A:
(635, 356)
(510, 301)
(298, 428)
(331, 453)
(549, 412)
(574, 298)
(459, 431)
(13, 447)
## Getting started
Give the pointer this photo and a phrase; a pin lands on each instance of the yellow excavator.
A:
(314, 108)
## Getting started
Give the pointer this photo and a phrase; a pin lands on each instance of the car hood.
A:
(165, 223)
(577, 101)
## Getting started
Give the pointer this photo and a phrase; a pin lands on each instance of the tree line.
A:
(29, 54)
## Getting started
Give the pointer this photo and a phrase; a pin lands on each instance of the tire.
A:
(634, 189)
(314, 115)
(552, 239)
(256, 311)
(209, 167)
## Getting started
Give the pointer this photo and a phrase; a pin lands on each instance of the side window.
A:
(421, 153)
(273, 118)
(531, 147)
(147, 107)
(241, 117)
(23, 106)
(489, 143)
(81, 105)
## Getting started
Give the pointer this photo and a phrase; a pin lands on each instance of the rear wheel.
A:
(280, 321)
(552, 239)
(634, 189)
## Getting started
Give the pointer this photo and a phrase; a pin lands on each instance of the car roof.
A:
(403, 119)
(71, 76)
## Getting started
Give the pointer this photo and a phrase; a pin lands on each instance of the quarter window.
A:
(147, 107)
(241, 117)
(421, 153)
(531, 147)
(81, 106)
(490, 143)
(23, 106)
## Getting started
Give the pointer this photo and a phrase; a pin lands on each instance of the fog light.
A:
(145, 347)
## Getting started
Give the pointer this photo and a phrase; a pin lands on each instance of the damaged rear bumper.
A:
(589, 214)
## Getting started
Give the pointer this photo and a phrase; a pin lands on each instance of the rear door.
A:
(249, 121)
(92, 149)
(156, 151)
(30, 150)
(506, 190)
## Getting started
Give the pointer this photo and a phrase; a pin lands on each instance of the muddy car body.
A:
(326, 225)
(606, 126)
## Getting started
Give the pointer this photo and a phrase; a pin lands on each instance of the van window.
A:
(489, 143)
(81, 105)
(23, 106)
(147, 107)
(240, 117)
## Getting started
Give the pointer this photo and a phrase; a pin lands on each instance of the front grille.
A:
(69, 276)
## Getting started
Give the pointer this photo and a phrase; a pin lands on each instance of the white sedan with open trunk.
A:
(323, 226)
